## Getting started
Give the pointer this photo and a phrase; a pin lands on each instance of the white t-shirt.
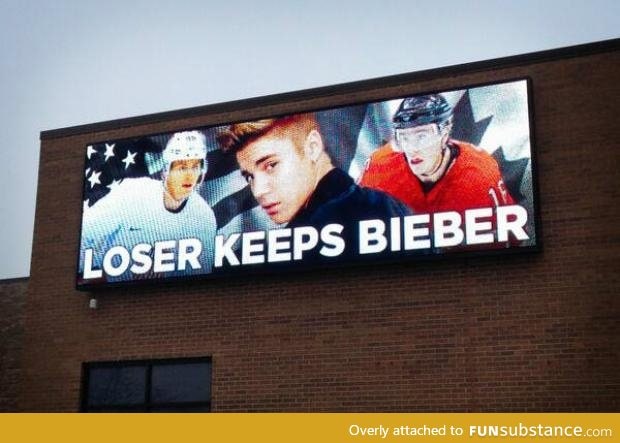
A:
(134, 213)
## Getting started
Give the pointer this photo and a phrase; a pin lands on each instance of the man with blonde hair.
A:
(293, 179)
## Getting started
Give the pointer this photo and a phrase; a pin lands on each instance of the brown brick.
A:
(531, 332)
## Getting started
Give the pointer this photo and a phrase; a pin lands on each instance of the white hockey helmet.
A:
(186, 145)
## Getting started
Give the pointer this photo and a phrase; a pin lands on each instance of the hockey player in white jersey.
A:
(148, 228)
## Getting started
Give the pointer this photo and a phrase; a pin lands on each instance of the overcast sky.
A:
(65, 63)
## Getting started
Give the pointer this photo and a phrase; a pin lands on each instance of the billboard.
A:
(409, 177)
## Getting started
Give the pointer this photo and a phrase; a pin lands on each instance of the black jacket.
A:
(337, 199)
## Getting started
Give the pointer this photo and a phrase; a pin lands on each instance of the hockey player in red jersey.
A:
(427, 170)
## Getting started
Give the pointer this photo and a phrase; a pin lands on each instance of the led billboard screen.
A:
(405, 178)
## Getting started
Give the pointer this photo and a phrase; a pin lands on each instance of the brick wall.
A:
(12, 298)
(532, 332)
